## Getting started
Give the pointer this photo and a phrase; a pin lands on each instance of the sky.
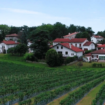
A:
(88, 13)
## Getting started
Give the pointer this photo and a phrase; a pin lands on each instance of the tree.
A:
(20, 49)
(14, 30)
(72, 28)
(4, 29)
(51, 57)
(59, 30)
(83, 35)
(60, 59)
(40, 43)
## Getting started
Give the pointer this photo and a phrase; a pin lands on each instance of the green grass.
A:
(87, 100)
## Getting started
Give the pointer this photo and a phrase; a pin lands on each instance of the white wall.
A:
(91, 47)
(70, 52)
(96, 40)
(11, 38)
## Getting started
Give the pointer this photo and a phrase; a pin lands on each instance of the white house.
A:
(100, 46)
(13, 37)
(98, 55)
(68, 50)
(78, 42)
(70, 35)
(96, 38)
(5, 45)
(60, 40)
(88, 46)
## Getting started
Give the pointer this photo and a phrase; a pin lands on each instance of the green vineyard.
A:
(24, 85)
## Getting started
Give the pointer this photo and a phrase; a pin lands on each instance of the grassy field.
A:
(35, 82)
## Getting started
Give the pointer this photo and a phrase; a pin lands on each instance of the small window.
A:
(57, 47)
(61, 47)
(72, 53)
(66, 52)
(59, 52)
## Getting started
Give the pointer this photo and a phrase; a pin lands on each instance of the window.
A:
(80, 45)
(72, 53)
(59, 52)
(61, 47)
(66, 52)
(76, 44)
(57, 47)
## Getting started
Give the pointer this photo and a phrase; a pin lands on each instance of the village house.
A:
(70, 35)
(88, 46)
(100, 46)
(13, 37)
(96, 38)
(68, 50)
(5, 45)
(98, 55)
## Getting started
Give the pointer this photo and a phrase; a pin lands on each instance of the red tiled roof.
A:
(97, 36)
(87, 44)
(102, 51)
(89, 54)
(72, 47)
(70, 34)
(77, 40)
(61, 40)
(103, 45)
(12, 35)
(10, 42)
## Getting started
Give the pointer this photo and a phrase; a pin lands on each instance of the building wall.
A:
(70, 52)
(96, 40)
(6, 47)
(70, 37)
(11, 38)
(91, 47)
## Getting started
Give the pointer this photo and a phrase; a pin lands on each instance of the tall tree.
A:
(59, 30)
(83, 35)
(40, 43)
(72, 28)
(4, 29)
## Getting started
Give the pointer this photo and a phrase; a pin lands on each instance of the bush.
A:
(70, 59)
(30, 57)
(53, 58)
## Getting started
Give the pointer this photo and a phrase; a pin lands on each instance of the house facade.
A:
(98, 55)
(70, 35)
(13, 37)
(68, 50)
(96, 38)
(100, 46)
(5, 45)
(88, 46)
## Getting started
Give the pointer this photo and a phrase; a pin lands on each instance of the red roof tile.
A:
(12, 35)
(72, 47)
(61, 40)
(89, 54)
(70, 34)
(77, 40)
(87, 44)
(98, 36)
(10, 42)
(103, 45)
(102, 51)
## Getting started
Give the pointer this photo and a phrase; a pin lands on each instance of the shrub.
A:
(51, 57)
(94, 65)
(30, 57)
(60, 60)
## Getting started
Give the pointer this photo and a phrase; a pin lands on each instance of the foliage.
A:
(88, 51)
(101, 42)
(60, 59)
(51, 57)
(83, 35)
(30, 57)
(39, 43)
(20, 49)
(97, 65)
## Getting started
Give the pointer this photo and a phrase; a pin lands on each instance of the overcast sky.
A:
(88, 13)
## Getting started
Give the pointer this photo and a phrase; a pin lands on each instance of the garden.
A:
(32, 85)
